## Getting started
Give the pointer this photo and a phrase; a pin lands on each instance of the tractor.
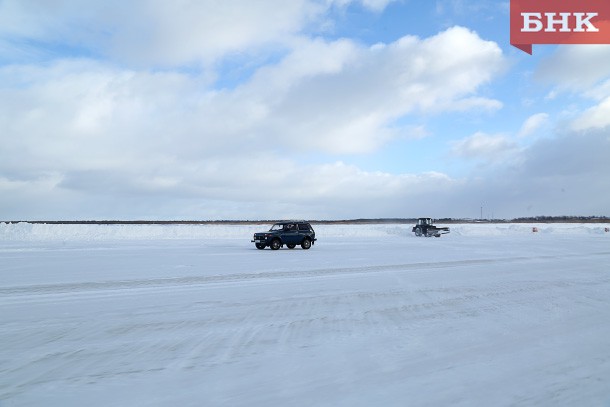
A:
(425, 227)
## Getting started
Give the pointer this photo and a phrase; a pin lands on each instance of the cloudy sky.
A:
(318, 109)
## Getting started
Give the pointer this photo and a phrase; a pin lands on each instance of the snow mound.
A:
(528, 228)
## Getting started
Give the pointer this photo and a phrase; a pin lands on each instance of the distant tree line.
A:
(532, 219)
(563, 219)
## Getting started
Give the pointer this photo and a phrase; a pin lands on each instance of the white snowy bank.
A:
(91, 232)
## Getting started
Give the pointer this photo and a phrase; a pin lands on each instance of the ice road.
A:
(143, 315)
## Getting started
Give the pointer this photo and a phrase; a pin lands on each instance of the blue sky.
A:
(318, 109)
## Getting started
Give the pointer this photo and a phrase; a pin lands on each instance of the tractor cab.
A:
(424, 221)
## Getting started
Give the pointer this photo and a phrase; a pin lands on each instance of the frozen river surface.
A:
(370, 316)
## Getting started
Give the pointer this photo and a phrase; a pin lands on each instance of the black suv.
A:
(289, 233)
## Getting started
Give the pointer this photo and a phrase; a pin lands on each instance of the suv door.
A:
(290, 234)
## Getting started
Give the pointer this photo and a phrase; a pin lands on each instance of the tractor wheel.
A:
(260, 246)
(417, 231)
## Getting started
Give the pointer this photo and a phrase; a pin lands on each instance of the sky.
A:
(308, 109)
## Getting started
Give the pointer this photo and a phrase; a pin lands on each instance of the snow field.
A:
(180, 315)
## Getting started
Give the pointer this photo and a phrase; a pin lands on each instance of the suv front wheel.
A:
(276, 244)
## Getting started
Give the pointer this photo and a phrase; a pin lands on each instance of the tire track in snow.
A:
(172, 282)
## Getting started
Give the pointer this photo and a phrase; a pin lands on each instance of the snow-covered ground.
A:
(162, 315)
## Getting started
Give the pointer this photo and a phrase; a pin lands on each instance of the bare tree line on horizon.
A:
(532, 219)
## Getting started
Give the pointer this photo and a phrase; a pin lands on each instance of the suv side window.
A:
(304, 227)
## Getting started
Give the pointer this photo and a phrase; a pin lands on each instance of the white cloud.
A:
(183, 31)
(268, 185)
(584, 69)
(576, 67)
(597, 117)
(92, 130)
(250, 188)
(533, 124)
(474, 103)
(116, 138)
(166, 33)
(374, 5)
(179, 32)
(341, 97)
(255, 187)
(484, 146)
(324, 96)
(564, 175)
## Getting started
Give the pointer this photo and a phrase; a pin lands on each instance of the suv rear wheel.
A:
(306, 244)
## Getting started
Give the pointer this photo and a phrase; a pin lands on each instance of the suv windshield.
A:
(284, 227)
